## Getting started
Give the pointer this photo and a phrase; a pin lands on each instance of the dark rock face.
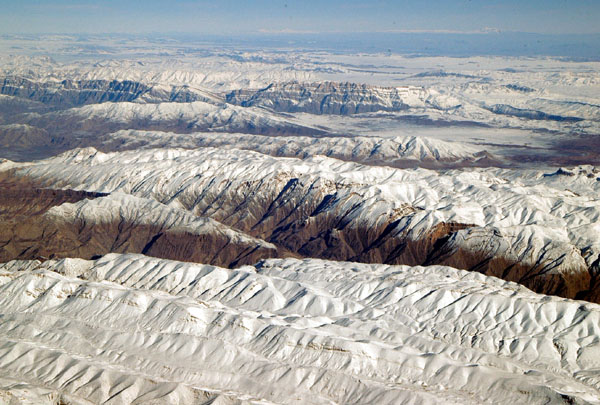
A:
(21, 198)
(39, 237)
(492, 259)
(73, 93)
(519, 88)
(320, 98)
(504, 109)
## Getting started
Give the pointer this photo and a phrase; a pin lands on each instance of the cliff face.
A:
(21, 197)
(321, 98)
(72, 93)
(42, 238)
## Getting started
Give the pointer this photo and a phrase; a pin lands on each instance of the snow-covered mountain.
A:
(478, 101)
(552, 107)
(69, 93)
(131, 329)
(535, 227)
(193, 223)
(38, 223)
(375, 150)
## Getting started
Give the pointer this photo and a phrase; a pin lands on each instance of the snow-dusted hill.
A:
(216, 73)
(118, 222)
(536, 227)
(197, 115)
(131, 329)
(400, 150)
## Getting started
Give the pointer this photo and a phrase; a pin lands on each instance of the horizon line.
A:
(484, 31)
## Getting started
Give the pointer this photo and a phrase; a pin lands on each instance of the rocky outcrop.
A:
(504, 109)
(489, 251)
(72, 93)
(39, 237)
(312, 226)
(321, 98)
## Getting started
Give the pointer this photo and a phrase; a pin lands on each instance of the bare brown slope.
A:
(26, 233)
(21, 197)
(38, 237)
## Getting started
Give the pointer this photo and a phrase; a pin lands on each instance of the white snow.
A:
(132, 328)
(370, 148)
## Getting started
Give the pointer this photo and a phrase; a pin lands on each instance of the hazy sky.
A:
(247, 16)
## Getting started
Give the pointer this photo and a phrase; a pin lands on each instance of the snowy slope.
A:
(365, 149)
(201, 115)
(546, 222)
(125, 223)
(139, 211)
(128, 328)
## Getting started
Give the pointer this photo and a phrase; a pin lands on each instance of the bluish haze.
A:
(308, 16)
